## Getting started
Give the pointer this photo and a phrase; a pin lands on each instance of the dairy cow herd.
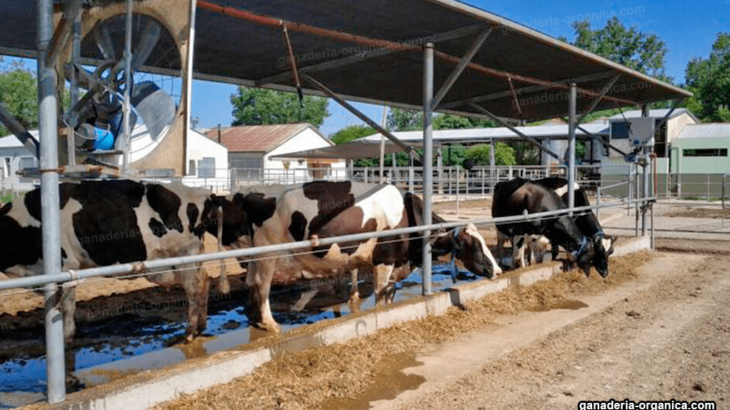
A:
(123, 221)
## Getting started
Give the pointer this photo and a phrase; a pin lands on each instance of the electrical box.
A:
(641, 131)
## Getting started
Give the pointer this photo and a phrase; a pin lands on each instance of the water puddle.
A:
(126, 334)
(389, 382)
(563, 304)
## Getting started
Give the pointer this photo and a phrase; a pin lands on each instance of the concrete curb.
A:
(153, 387)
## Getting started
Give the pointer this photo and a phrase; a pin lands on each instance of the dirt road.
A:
(667, 340)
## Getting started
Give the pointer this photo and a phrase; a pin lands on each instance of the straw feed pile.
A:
(304, 380)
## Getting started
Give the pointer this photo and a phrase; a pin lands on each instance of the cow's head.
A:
(470, 248)
(583, 254)
(603, 248)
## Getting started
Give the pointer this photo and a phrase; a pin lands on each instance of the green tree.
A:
(400, 119)
(351, 133)
(453, 122)
(503, 154)
(627, 46)
(709, 80)
(19, 94)
(257, 106)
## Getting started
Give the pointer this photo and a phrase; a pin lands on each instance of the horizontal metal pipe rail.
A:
(141, 267)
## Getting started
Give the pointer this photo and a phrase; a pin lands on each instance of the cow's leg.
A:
(68, 304)
(354, 292)
(382, 283)
(518, 251)
(196, 288)
(304, 299)
(258, 281)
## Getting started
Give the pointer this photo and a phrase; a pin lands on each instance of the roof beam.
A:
(381, 43)
(531, 140)
(524, 90)
(456, 72)
(362, 116)
(606, 88)
(380, 52)
(14, 126)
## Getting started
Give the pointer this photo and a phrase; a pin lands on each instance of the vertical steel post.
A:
(428, 54)
(647, 175)
(440, 170)
(458, 186)
(571, 145)
(50, 204)
(382, 146)
(190, 69)
(653, 245)
(74, 91)
(492, 163)
(127, 107)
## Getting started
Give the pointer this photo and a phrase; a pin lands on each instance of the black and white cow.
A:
(117, 221)
(515, 197)
(271, 215)
(586, 221)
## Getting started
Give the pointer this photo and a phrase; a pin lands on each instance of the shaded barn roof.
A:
(258, 138)
(377, 57)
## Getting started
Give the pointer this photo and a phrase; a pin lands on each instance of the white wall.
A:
(676, 125)
(9, 180)
(305, 140)
(199, 147)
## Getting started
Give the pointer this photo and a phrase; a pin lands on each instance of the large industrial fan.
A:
(156, 88)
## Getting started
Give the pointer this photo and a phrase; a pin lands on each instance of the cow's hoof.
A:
(269, 327)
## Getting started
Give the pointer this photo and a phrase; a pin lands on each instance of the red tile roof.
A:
(256, 138)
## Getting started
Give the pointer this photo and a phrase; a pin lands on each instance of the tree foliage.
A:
(19, 94)
(627, 46)
(709, 80)
(400, 119)
(503, 154)
(257, 106)
(351, 133)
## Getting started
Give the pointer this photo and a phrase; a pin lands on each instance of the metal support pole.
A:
(636, 194)
(440, 169)
(458, 186)
(127, 107)
(428, 56)
(75, 9)
(647, 175)
(189, 72)
(492, 163)
(50, 205)
(571, 145)
(651, 209)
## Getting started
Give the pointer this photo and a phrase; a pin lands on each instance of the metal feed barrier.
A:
(50, 282)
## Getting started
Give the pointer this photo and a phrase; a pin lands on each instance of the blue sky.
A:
(688, 28)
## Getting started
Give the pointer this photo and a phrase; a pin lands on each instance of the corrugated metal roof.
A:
(252, 51)
(553, 131)
(661, 113)
(257, 138)
(715, 130)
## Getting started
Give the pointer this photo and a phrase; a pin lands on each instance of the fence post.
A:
(457, 190)
(708, 188)
(411, 176)
(483, 182)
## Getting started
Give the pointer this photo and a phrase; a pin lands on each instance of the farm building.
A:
(701, 149)
(15, 157)
(207, 162)
(253, 151)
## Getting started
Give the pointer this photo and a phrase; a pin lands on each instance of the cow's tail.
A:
(223, 284)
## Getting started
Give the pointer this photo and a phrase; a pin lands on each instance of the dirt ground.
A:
(695, 212)
(666, 340)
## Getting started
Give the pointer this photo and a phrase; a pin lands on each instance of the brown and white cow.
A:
(269, 215)
(117, 221)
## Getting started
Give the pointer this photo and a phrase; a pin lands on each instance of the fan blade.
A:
(155, 106)
(146, 45)
(104, 42)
